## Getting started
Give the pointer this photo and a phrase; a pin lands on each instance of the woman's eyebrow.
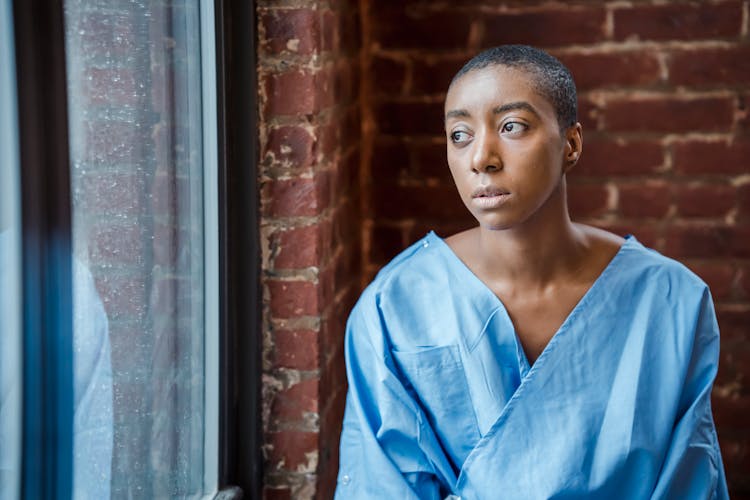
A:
(512, 106)
(457, 113)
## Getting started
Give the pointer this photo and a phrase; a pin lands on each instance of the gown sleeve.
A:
(693, 468)
(380, 453)
(92, 417)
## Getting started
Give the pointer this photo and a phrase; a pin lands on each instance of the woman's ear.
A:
(573, 146)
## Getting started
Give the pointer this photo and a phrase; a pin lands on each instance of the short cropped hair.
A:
(552, 80)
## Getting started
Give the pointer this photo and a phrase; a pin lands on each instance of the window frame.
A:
(47, 320)
(240, 428)
(46, 218)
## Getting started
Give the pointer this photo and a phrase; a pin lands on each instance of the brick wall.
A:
(308, 70)
(664, 92)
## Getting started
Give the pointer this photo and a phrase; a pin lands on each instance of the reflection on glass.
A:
(10, 265)
(135, 126)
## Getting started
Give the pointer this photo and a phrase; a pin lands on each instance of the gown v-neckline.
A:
(524, 366)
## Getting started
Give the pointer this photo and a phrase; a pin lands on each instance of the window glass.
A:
(10, 266)
(134, 90)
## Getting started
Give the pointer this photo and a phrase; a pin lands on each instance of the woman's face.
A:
(505, 149)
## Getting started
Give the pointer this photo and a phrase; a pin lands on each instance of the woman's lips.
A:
(488, 197)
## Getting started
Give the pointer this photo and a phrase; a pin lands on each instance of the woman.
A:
(530, 356)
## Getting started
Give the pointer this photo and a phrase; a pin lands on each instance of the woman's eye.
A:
(513, 127)
(459, 136)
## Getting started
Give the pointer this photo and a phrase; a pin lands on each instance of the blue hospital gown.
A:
(442, 400)
(92, 388)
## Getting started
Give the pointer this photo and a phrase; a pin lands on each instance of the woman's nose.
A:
(486, 156)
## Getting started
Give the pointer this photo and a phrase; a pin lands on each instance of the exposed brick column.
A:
(664, 93)
(308, 60)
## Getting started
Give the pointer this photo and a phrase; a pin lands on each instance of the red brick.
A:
(669, 115)
(430, 162)
(648, 199)
(350, 32)
(346, 82)
(333, 376)
(111, 33)
(700, 241)
(169, 192)
(111, 194)
(124, 297)
(735, 451)
(743, 201)
(731, 412)
(439, 202)
(744, 281)
(704, 200)
(434, 76)
(112, 142)
(303, 196)
(289, 449)
(622, 69)
(587, 200)
(290, 405)
(296, 349)
(326, 284)
(291, 299)
(297, 248)
(743, 118)
(346, 222)
(394, 27)
(111, 243)
(710, 67)
(740, 241)
(111, 86)
(129, 395)
(329, 439)
(346, 175)
(351, 123)
(168, 241)
(644, 233)
(298, 92)
(443, 228)
(277, 493)
(589, 114)
(603, 157)
(411, 118)
(717, 275)
(347, 265)
(679, 21)
(725, 375)
(714, 157)
(130, 344)
(387, 76)
(329, 33)
(290, 146)
(385, 243)
(547, 28)
(390, 160)
(170, 295)
(291, 30)
(328, 140)
(734, 323)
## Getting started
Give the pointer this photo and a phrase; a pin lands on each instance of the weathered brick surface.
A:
(664, 93)
(310, 120)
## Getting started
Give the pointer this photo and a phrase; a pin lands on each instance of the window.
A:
(144, 319)
(135, 278)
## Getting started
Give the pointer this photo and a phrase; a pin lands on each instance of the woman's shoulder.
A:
(641, 267)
